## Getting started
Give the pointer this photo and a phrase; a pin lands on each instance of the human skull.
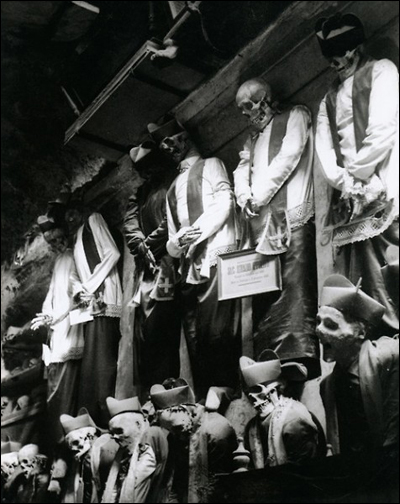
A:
(264, 398)
(80, 441)
(28, 458)
(9, 462)
(175, 146)
(254, 100)
(345, 64)
(57, 239)
(128, 428)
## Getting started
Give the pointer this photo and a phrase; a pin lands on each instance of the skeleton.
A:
(9, 462)
(31, 461)
(264, 398)
(80, 441)
(175, 146)
(254, 100)
(346, 64)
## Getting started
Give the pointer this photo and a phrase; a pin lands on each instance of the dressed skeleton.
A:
(31, 461)
(254, 100)
(80, 441)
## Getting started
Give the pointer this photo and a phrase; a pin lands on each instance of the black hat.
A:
(167, 127)
(339, 33)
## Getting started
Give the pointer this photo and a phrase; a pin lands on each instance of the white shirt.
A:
(216, 223)
(66, 341)
(106, 270)
(267, 179)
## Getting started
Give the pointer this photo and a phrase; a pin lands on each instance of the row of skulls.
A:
(28, 459)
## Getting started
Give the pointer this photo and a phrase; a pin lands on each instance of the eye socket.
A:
(330, 324)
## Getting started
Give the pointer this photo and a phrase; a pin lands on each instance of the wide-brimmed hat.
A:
(339, 33)
(167, 398)
(338, 292)
(167, 127)
(269, 368)
(141, 152)
(130, 405)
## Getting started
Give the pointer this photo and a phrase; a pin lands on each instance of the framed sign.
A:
(246, 272)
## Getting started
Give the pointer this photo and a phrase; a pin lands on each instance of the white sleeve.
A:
(107, 250)
(382, 126)
(217, 213)
(288, 157)
(325, 150)
(241, 176)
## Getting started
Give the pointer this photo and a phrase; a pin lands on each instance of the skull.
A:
(175, 146)
(264, 398)
(254, 100)
(9, 462)
(345, 64)
(128, 428)
(57, 239)
(80, 441)
(28, 459)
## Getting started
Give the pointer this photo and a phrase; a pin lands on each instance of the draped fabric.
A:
(358, 140)
(290, 434)
(379, 386)
(156, 323)
(280, 182)
(285, 321)
(99, 367)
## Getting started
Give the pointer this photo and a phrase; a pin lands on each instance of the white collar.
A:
(191, 158)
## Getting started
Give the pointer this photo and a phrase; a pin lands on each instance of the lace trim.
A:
(111, 311)
(368, 228)
(300, 215)
(213, 255)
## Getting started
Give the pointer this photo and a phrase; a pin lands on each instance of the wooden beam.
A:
(148, 48)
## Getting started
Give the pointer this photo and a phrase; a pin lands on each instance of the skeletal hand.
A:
(40, 320)
(189, 235)
(148, 257)
(250, 209)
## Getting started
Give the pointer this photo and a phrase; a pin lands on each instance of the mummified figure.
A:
(29, 483)
(80, 475)
(283, 430)
(274, 189)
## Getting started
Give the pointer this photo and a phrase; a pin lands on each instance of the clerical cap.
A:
(269, 369)
(130, 405)
(70, 423)
(338, 292)
(167, 398)
(168, 128)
